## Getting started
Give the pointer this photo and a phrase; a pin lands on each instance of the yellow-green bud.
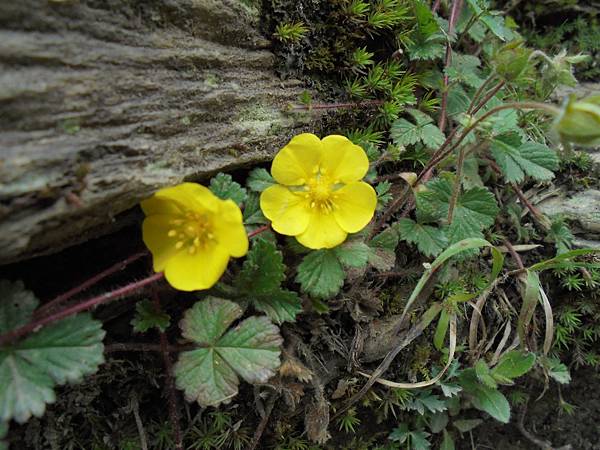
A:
(579, 121)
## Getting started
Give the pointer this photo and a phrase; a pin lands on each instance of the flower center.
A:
(192, 231)
(320, 192)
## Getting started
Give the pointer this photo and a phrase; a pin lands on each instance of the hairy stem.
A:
(57, 301)
(479, 91)
(490, 95)
(86, 305)
(457, 183)
(456, 7)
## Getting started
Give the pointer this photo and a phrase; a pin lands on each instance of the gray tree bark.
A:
(104, 101)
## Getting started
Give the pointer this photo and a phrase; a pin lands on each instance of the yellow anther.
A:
(190, 229)
(179, 244)
(172, 233)
(313, 204)
(191, 250)
(197, 242)
(176, 222)
(210, 235)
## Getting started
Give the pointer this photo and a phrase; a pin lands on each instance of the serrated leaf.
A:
(321, 274)
(485, 398)
(405, 133)
(382, 259)
(533, 159)
(250, 350)
(438, 421)
(259, 179)
(263, 270)
(419, 440)
(252, 214)
(383, 194)
(223, 186)
(514, 364)
(558, 371)
(353, 254)
(62, 352)
(432, 402)
(432, 136)
(465, 69)
(280, 305)
(387, 239)
(429, 240)
(147, 317)
(449, 389)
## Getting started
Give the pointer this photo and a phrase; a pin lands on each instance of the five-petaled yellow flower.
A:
(320, 197)
(192, 234)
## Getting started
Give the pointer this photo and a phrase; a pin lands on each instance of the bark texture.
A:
(104, 101)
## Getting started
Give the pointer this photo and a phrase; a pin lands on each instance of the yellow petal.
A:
(322, 232)
(289, 213)
(154, 233)
(355, 206)
(343, 160)
(154, 205)
(295, 162)
(229, 229)
(198, 271)
(190, 196)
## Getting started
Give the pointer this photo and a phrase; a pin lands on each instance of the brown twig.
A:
(263, 422)
(170, 382)
(514, 254)
(259, 230)
(80, 307)
(54, 303)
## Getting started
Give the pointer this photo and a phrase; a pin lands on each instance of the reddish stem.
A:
(456, 7)
(258, 231)
(52, 304)
(80, 307)
(491, 93)
(514, 254)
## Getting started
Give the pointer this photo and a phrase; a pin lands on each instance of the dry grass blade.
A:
(549, 321)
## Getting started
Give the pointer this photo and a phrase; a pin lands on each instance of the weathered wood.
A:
(104, 101)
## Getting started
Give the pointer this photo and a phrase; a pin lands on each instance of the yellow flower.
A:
(319, 198)
(191, 234)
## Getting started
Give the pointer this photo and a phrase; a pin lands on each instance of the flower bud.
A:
(579, 121)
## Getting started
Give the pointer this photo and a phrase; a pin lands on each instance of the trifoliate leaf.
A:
(263, 270)
(259, 179)
(260, 283)
(62, 352)
(429, 240)
(321, 274)
(280, 305)
(353, 254)
(223, 186)
(485, 398)
(251, 350)
(517, 160)
(147, 317)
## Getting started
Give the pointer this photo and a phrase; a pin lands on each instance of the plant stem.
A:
(80, 307)
(258, 231)
(53, 304)
(491, 94)
(457, 183)
(169, 382)
(479, 91)
(514, 254)
(456, 7)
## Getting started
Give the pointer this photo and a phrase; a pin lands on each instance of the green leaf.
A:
(429, 240)
(62, 352)
(147, 317)
(3, 433)
(513, 364)
(517, 160)
(405, 133)
(280, 305)
(466, 425)
(353, 254)
(383, 194)
(260, 282)
(253, 215)
(259, 179)
(557, 370)
(447, 442)
(419, 440)
(223, 186)
(251, 351)
(484, 397)
(16, 305)
(441, 330)
(465, 69)
(263, 270)
(483, 374)
(321, 274)
(387, 239)
(432, 402)
(438, 422)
